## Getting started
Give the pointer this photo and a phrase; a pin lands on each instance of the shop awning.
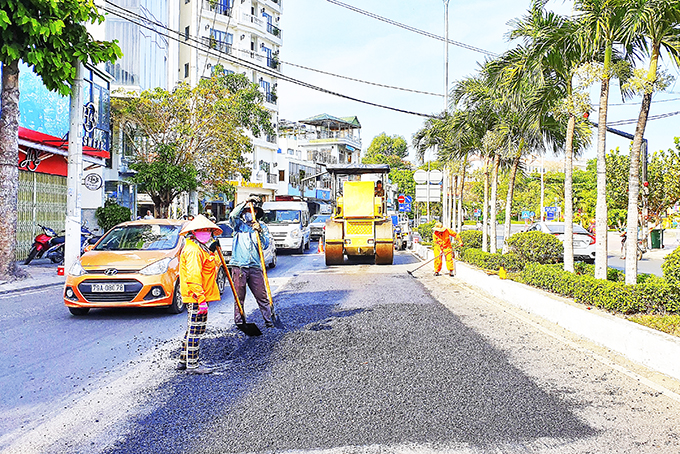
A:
(56, 142)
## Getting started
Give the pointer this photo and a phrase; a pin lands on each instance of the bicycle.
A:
(641, 246)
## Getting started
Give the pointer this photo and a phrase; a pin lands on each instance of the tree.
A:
(388, 145)
(599, 24)
(198, 131)
(52, 39)
(649, 25)
(164, 177)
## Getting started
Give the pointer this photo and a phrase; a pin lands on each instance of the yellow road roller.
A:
(359, 226)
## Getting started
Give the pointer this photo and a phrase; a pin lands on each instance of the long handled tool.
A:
(422, 265)
(250, 329)
(275, 319)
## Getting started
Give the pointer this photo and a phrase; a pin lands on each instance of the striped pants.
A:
(196, 325)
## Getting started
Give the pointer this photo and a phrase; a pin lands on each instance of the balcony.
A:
(217, 45)
(273, 63)
(272, 178)
(251, 55)
(256, 21)
(215, 7)
(274, 30)
(270, 98)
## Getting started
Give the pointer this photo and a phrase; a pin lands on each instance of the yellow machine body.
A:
(359, 226)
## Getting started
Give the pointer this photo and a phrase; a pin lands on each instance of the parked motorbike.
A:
(44, 242)
(87, 237)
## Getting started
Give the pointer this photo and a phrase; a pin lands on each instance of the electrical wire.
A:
(635, 120)
(412, 29)
(208, 50)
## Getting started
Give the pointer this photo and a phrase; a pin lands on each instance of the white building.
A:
(242, 37)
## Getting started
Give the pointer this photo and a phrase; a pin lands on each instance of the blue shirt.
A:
(244, 253)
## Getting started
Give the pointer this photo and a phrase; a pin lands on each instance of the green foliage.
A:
(425, 230)
(164, 176)
(671, 268)
(536, 246)
(654, 295)
(50, 37)
(112, 214)
(383, 144)
(488, 261)
(471, 239)
(667, 323)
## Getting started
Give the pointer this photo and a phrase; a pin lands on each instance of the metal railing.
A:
(221, 9)
(217, 45)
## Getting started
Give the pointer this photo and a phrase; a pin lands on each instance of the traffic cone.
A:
(320, 250)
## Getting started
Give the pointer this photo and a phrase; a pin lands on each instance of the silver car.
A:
(316, 225)
(226, 240)
(584, 241)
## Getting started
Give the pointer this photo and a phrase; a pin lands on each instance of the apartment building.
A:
(240, 37)
(306, 146)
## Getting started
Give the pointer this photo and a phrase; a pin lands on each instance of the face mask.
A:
(203, 237)
(248, 217)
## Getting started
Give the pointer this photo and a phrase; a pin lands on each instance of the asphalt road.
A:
(371, 360)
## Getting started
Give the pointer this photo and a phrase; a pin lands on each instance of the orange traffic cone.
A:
(320, 250)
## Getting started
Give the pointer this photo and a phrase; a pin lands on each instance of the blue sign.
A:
(550, 213)
(528, 214)
(405, 207)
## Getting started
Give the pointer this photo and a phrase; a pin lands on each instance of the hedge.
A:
(471, 239)
(653, 296)
(490, 261)
(536, 247)
(671, 267)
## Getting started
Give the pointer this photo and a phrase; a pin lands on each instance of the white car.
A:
(226, 244)
(317, 224)
(584, 241)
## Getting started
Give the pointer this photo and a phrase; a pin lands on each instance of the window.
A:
(186, 70)
(186, 33)
(282, 175)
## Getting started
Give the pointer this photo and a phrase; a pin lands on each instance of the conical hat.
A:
(198, 223)
(439, 227)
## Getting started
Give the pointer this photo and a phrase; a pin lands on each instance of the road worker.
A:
(442, 245)
(198, 267)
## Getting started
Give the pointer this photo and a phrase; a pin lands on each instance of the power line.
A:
(364, 81)
(635, 120)
(181, 38)
(412, 29)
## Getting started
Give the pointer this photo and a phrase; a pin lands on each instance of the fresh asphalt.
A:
(370, 360)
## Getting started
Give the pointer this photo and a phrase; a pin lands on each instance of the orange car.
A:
(136, 264)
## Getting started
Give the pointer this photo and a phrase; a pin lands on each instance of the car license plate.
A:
(105, 288)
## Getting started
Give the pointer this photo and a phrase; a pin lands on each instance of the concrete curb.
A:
(651, 348)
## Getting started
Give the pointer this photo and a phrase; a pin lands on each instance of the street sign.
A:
(477, 212)
(409, 200)
(401, 198)
(420, 176)
(435, 193)
(550, 213)
(435, 176)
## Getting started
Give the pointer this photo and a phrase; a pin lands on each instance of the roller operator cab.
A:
(359, 225)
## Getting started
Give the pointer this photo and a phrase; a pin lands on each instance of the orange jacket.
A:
(198, 274)
(443, 239)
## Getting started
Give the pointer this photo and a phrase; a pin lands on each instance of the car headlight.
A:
(77, 269)
(295, 233)
(158, 267)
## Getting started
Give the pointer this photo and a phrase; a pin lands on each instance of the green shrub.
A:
(489, 261)
(654, 295)
(536, 247)
(471, 239)
(111, 214)
(425, 231)
(671, 268)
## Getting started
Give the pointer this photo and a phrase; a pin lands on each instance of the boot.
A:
(200, 370)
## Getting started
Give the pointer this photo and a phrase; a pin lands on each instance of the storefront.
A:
(43, 153)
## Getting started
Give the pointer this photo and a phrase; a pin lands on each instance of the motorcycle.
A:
(44, 242)
(87, 237)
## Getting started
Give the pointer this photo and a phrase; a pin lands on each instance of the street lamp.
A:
(446, 55)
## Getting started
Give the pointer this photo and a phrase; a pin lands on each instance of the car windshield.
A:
(227, 231)
(149, 237)
(320, 218)
(559, 228)
(281, 216)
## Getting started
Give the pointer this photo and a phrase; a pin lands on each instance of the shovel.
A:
(275, 318)
(422, 265)
(250, 329)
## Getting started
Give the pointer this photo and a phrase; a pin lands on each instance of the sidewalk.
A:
(671, 240)
(41, 273)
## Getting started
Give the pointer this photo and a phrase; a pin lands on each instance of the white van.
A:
(288, 222)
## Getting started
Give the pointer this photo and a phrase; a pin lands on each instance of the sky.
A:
(331, 38)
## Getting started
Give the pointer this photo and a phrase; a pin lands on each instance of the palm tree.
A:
(551, 53)
(649, 25)
(600, 26)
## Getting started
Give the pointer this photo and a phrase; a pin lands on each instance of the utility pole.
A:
(75, 171)
(446, 55)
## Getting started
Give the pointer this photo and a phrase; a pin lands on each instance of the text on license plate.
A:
(108, 287)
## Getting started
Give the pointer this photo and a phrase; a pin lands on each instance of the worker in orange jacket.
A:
(442, 245)
(198, 283)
